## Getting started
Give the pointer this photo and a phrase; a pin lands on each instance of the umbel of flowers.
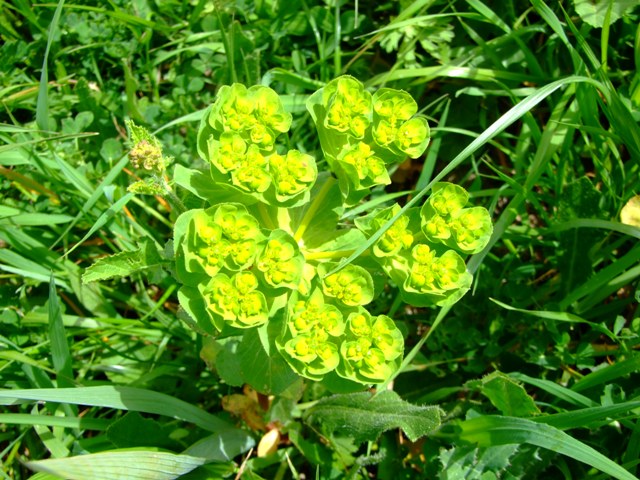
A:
(265, 253)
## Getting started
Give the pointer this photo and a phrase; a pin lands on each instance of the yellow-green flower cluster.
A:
(348, 106)
(225, 257)
(362, 135)
(311, 341)
(238, 138)
(445, 220)
(436, 276)
(422, 250)
(280, 261)
(318, 341)
(395, 125)
(262, 253)
(235, 301)
(363, 167)
(372, 348)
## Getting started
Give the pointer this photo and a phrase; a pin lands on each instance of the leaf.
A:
(60, 354)
(125, 398)
(489, 430)
(227, 363)
(506, 395)
(115, 465)
(364, 417)
(594, 12)
(222, 447)
(42, 105)
(269, 374)
(133, 430)
(102, 220)
(579, 199)
(35, 219)
(630, 214)
(202, 185)
(471, 463)
(123, 264)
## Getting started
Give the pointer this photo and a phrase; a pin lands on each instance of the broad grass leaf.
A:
(123, 264)
(608, 374)
(488, 430)
(120, 397)
(558, 391)
(120, 465)
(133, 430)
(588, 417)
(34, 219)
(363, 416)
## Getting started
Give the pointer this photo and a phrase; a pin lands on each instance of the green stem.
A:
(173, 198)
(337, 53)
(266, 216)
(284, 219)
(312, 210)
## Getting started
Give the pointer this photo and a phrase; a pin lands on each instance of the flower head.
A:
(351, 286)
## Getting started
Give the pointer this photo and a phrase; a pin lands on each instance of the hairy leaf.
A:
(364, 417)
(123, 264)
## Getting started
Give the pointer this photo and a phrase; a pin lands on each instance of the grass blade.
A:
(42, 107)
(60, 355)
(488, 430)
(125, 398)
(132, 465)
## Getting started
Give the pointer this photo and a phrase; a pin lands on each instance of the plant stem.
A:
(311, 211)
(173, 198)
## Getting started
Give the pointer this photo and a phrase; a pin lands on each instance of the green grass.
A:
(534, 108)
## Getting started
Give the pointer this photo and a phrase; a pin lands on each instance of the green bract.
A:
(351, 286)
(362, 168)
(267, 253)
(235, 301)
(280, 261)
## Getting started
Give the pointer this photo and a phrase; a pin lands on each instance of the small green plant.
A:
(267, 252)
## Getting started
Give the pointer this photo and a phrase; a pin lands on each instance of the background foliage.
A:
(533, 108)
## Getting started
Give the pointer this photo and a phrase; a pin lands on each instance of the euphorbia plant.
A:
(266, 251)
